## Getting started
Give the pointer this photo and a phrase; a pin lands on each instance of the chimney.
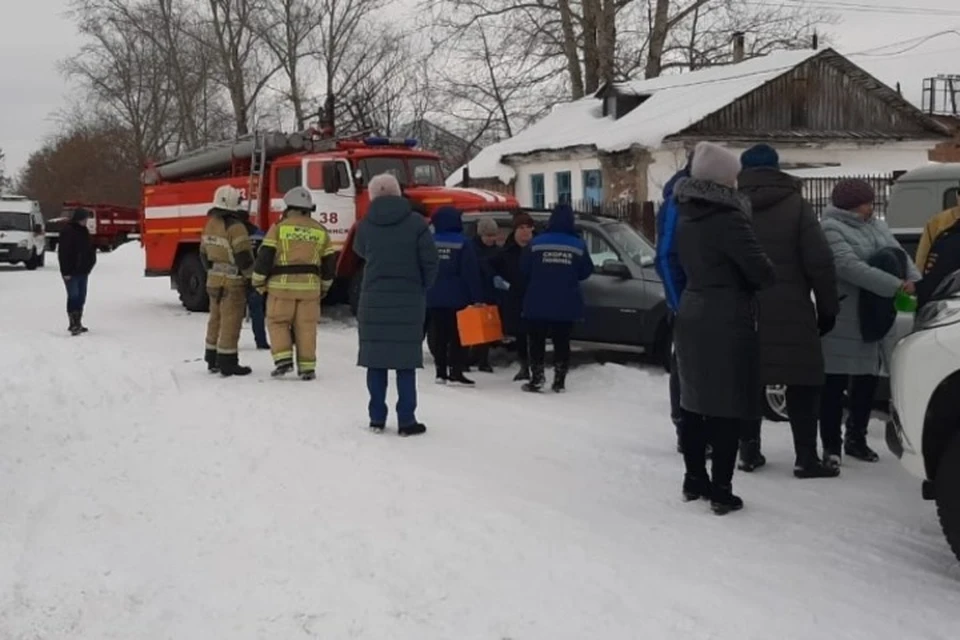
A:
(738, 46)
(899, 91)
(815, 41)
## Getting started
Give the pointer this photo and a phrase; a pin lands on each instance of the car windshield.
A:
(14, 221)
(631, 244)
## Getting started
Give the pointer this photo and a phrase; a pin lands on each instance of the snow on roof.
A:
(676, 102)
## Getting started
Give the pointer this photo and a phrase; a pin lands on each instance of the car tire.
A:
(947, 494)
(32, 263)
(192, 283)
(775, 403)
(42, 259)
(353, 293)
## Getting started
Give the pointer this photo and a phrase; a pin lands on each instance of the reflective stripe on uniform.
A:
(225, 269)
(216, 241)
(281, 356)
(281, 283)
(290, 233)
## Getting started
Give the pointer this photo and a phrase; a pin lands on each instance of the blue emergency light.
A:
(390, 142)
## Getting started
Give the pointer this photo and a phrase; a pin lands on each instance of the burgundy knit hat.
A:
(851, 193)
(523, 219)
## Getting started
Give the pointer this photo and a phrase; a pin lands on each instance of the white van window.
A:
(14, 221)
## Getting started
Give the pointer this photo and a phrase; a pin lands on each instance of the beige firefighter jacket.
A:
(226, 250)
(296, 259)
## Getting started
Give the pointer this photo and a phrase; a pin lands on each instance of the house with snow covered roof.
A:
(816, 107)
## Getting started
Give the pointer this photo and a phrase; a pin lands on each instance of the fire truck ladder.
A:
(258, 163)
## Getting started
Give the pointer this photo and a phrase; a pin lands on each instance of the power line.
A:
(916, 42)
(860, 7)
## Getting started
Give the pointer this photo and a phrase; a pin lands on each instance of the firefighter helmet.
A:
(300, 199)
(227, 198)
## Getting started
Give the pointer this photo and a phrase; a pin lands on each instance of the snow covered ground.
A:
(141, 498)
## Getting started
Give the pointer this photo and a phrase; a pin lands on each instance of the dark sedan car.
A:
(625, 306)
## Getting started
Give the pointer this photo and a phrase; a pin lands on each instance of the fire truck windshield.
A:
(422, 172)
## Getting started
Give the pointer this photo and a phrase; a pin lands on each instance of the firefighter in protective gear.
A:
(295, 267)
(227, 255)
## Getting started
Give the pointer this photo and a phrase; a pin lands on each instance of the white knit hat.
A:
(713, 163)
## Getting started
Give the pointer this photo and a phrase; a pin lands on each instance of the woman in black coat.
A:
(790, 323)
(77, 257)
(718, 348)
(509, 279)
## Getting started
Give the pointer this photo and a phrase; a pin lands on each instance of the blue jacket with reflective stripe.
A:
(458, 276)
(667, 262)
(554, 264)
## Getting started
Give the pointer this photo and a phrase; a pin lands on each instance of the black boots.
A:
(723, 501)
(750, 457)
(229, 365)
(210, 357)
(537, 379)
(524, 373)
(281, 369)
(415, 429)
(559, 377)
(857, 448)
(76, 325)
(809, 466)
(696, 488)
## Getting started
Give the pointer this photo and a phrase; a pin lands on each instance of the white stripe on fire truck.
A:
(194, 210)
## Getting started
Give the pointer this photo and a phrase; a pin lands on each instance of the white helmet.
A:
(300, 199)
(227, 198)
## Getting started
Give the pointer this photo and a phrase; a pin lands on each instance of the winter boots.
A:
(537, 379)
(750, 457)
(559, 377)
(415, 429)
(76, 325)
(210, 357)
(857, 448)
(281, 369)
(723, 501)
(524, 373)
(810, 466)
(229, 365)
(695, 488)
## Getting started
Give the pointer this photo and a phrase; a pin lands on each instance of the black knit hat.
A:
(523, 219)
(851, 193)
(80, 215)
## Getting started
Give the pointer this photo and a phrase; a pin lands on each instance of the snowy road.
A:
(142, 499)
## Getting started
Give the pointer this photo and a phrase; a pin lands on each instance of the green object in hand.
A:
(904, 302)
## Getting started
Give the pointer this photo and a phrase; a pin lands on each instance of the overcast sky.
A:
(38, 34)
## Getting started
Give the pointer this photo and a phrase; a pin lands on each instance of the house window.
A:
(564, 188)
(537, 192)
(592, 187)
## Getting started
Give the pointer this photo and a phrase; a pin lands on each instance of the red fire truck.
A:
(110, 225)
(177, 195)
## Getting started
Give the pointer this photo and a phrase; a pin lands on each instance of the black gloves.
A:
(826, 324)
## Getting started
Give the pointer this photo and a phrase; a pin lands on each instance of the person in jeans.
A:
(852, 364)
(790, 322)
(400, 264)
(667, 265)
(456, 287)
(256, 302)
(555, 264)
(509, 279)
(718, 347)
(77, 257)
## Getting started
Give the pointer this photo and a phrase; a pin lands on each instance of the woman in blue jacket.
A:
(556, 263)
(457, 286)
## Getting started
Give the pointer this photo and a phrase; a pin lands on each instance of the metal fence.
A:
(817, 190)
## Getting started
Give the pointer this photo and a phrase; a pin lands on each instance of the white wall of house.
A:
(854, 159)
(549, 169)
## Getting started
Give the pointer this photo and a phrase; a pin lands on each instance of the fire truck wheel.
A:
(192, 283)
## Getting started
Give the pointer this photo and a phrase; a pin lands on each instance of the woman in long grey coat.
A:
(718, 350)
(400, 265)
(855, 235)
(790, 323)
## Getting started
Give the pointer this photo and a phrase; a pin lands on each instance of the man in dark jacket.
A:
(256, 302)
(509, 279)
(77, 257)
(667, 265)
(457, 286)
(790, 323)
(555, 265)
(400, 264)
(718, 348)
(485, 244)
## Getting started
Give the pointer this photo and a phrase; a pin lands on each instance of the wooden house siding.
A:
(825, 98)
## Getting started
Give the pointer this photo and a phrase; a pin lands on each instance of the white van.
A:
(22, 236)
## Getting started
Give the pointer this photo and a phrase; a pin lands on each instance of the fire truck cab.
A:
(176, 197)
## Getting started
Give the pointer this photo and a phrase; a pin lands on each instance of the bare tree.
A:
(125, 76)
(6, 184)
(288, 28)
